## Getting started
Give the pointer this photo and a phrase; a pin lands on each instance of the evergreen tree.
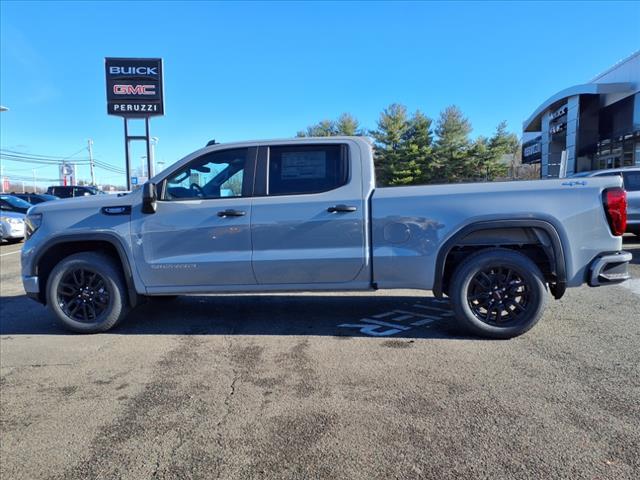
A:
(390, 137)
(452, 145)
(348, 125)
(406, 152)
(501, 144)
(325, 128)
(414, 164)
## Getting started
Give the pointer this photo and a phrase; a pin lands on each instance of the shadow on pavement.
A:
(317, 315)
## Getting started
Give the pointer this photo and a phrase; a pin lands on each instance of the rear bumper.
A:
(610, 268)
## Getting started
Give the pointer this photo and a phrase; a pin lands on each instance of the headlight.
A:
(11, 220)
(33, 221)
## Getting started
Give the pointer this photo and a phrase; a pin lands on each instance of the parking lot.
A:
(354, 386)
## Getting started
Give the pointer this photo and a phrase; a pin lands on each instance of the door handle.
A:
(342, 208)
(231, 213)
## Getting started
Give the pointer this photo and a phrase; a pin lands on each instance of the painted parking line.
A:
(9, 253)
(397, 321)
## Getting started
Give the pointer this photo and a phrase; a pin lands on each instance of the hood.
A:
(88, 202)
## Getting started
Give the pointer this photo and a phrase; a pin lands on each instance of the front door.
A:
(200, 234)
(308, 221)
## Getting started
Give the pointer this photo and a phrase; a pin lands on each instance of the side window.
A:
(631, 181)
(79, 192)
(213, 175)
(300, 169)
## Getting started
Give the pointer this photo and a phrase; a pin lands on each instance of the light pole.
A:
(91, 166)
(152, 152)
(142, 159)
(2, 109)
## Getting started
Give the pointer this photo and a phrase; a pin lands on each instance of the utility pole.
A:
(35, 188)
(93, 173)
(152, 152)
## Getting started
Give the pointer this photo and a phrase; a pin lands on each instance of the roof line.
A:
(615, 65)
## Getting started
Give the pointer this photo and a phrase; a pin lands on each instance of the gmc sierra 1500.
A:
(304, 214)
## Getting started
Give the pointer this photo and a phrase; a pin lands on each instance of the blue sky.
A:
(258, 70)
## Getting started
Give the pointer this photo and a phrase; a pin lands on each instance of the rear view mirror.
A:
(149, 198)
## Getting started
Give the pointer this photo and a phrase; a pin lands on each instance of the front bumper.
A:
(11, 231)
(608, 269)
(31, 287)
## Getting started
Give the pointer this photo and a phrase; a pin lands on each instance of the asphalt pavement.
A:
(340, 386)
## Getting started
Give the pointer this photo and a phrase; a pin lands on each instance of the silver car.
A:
(11, 226)
(631, 179)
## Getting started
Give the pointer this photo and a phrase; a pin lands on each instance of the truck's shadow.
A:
(318, 315)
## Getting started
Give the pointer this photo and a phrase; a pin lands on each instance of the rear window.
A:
(300, 169)
(631, 181)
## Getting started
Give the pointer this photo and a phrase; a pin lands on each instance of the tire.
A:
(497, 293)
(98, 282)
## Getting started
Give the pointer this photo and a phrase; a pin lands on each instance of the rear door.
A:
(308, 215)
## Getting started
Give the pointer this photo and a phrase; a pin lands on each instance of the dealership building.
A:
(588, 127)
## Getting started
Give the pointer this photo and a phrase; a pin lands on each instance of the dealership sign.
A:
(532, 151)
(134, 87)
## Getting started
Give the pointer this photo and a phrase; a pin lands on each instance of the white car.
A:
(11, 226)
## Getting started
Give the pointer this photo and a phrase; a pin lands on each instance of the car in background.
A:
(69, 191)
(35, 198)
(11, 226)
(631, 180)
(11, 203)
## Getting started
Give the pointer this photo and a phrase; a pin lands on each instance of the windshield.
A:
(15, 201)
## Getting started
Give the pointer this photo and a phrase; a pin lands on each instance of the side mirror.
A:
(149, 197)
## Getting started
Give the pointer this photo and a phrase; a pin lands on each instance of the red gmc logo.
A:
(134, 89)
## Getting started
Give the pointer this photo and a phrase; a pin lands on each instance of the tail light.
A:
(615, 206)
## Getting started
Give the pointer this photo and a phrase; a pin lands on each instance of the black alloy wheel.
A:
(499, 296)
(497, 293)
(83, 295)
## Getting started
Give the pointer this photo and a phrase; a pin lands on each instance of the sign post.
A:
(135, 90)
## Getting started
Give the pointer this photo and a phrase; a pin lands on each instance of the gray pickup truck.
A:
(305, 215)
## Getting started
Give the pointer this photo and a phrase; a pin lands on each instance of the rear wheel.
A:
(498, 293)
(87, 293)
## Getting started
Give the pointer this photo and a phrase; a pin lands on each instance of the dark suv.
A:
(35, 198)
(68, 191)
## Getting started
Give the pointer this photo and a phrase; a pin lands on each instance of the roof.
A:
(534, 122)
(616, 66)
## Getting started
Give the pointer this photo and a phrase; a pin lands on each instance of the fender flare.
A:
(556, 245)
(110, 238)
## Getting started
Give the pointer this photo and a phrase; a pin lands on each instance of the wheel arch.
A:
(60, 247)
(512, 233)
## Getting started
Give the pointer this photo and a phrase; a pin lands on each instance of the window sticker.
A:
(303, 165)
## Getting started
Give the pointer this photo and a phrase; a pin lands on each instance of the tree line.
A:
(412, 149)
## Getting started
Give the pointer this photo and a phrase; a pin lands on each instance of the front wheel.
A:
(87, 293)
(498, 293)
